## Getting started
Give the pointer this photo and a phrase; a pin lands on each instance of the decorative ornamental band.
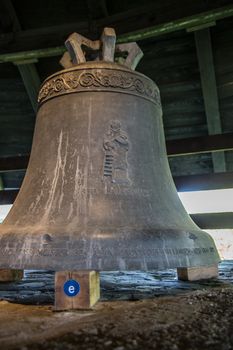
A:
(99, 80)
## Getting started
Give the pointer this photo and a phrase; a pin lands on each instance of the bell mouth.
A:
(106, 250)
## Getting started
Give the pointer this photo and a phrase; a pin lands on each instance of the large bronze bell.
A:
(98, 192)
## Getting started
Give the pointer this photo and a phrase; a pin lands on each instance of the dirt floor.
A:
(137, 311)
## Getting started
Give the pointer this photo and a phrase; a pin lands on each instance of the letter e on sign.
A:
(71, 288)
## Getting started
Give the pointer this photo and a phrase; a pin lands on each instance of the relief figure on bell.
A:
(116, 146)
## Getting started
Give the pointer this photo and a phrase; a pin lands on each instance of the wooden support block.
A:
(10, 275)
(76, 289)
(197, 273)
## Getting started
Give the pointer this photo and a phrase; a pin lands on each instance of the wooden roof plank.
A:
(145, 33)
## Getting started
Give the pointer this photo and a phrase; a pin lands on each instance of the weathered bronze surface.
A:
(98, 192)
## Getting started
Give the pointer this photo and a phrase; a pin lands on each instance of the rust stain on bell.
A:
(98, 192)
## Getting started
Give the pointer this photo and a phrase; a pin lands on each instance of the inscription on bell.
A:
(113, 252)
(116, 146)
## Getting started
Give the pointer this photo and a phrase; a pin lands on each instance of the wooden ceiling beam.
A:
(213, 221)
(182, 147)
(197, 145)
(8, 196)
(204, 221)
(13, 163)
(32, 54)
(179, 24)
(27, 69)
(56, 34)
(204, 182)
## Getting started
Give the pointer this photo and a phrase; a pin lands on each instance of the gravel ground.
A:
(147, 311)
(202, 320)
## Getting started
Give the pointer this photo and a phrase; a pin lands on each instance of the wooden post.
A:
(76, 289)
(209, 90)
(197, 273)
(7, 275)
(31, 80)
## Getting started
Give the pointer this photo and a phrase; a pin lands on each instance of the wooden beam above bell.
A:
(202, 144)
(182, 147)
(204, 221)
(43, 36)
(183, 184)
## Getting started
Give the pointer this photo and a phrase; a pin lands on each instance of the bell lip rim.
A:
(100, 64)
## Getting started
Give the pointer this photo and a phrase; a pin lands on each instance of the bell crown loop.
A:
(81, 49)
